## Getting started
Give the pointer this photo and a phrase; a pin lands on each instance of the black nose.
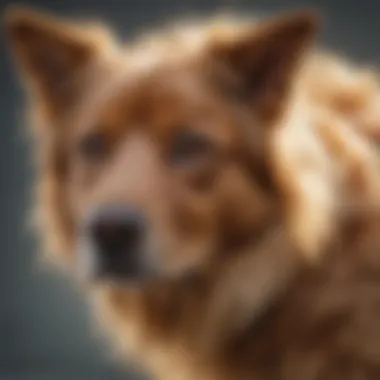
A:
(116, 229)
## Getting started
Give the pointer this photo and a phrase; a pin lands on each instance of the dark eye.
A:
(189, 146)
(94, 146)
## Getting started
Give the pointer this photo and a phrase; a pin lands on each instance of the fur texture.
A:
(277, 219)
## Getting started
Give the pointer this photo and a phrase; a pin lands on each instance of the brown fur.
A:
(279, 218)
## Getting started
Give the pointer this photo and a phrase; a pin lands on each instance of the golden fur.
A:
(286, 242)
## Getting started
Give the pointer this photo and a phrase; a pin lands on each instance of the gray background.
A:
(43, 329)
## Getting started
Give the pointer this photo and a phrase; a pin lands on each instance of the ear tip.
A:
(19, 19)
(16, 14)
(307, 20)
(16, 18)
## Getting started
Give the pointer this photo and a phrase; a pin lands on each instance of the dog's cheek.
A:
(200, 177)
(243, 207)
(193, 211)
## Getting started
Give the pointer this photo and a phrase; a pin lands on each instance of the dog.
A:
(215, 188)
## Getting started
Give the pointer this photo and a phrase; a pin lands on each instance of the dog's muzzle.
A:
(113, 245)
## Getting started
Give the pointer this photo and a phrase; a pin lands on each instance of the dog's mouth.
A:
(128, 266)
(135, 268)
(115, 244)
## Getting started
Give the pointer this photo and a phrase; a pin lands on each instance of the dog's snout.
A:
(116, 229)
(114, 245)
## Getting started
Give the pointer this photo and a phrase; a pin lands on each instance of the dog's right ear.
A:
(51, 53)
(264, 60)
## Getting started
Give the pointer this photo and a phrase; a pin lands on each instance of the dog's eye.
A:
(188, 146)
(94, 146)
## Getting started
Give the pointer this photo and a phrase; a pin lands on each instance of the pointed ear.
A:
(50, 53)
(263, 60)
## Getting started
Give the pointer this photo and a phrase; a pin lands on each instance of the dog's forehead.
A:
(156, 94)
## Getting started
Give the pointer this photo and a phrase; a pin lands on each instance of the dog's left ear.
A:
(51, 53)
(264, 59)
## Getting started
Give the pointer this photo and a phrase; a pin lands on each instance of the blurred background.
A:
(44, 329)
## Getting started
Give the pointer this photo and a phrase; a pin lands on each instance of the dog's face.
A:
(155, 163)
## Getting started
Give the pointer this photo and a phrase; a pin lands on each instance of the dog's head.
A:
(156, 158)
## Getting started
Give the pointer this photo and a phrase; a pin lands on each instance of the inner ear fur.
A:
(264, 59)
(51, 53)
